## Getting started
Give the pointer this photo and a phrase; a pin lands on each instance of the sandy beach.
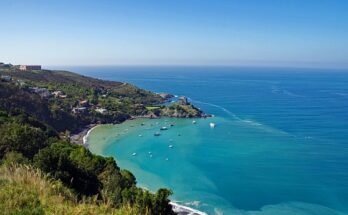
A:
(80, 137)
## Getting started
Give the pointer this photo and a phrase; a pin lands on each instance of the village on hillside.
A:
(82, 105)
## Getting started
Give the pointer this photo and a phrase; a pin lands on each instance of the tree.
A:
(58, 160)
(21, 138)
(161, 202)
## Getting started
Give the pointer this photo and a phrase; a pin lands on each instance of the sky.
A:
(295, 33)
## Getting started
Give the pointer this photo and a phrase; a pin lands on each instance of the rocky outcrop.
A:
(166, 96)
(182, 111)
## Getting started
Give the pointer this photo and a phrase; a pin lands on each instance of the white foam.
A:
(184, 210)
(85, 138)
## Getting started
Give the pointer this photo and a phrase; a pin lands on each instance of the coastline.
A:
(80, 137)
(184, 210)
(177, 208)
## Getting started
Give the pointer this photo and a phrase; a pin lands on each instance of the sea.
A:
(279, 145)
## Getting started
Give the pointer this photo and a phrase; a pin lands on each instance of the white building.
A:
(101, 110)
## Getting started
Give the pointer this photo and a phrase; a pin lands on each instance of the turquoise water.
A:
(280, 145)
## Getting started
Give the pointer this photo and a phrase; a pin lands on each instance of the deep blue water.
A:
(281, 144)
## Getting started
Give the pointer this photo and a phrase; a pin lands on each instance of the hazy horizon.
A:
(301, 34)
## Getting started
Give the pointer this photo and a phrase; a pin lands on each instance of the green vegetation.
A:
(26, 190)
(83, 174)
(61, 92)
(42, 173)
(151, 108)
(181, 110)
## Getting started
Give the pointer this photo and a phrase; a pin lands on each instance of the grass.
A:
(25, 190)
(149, 108)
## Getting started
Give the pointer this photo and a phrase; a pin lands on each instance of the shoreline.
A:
(184, 210)
(177, 208)
(85, 137)
(79, 137)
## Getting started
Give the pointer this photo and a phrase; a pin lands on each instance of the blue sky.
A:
(301, 33)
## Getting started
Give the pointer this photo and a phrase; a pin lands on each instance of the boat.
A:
(194, 122)
(167, 159)
(157, 134)
(140, 135)
(212, 125)
(134, 154)
(170, 146)
(163, 128)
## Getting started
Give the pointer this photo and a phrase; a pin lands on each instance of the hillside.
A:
(25, 190)
(38, 111)
(68, 101)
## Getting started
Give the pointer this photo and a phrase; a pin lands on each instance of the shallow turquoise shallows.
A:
(280, 145)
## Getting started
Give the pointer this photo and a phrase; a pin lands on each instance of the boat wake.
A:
(219, 107)
(246, 121)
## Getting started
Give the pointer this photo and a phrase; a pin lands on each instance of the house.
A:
(6, 78)
(78, 110)
(101, 110)
(29, 67)
(84, 103)
(43, 92)
(57, 93)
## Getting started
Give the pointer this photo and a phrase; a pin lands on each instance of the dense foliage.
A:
(78, 169)
(31, 130)
(25, 190)
(121, 100)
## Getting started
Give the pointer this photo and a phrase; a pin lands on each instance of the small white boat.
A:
(170, 146)
(194, 122)
(157, 134)
(140, 135)
(150, 153)
(212, 125)
(167, 159)
(150, 156)
(134, 154)
(163, 128)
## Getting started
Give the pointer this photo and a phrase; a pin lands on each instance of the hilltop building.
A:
(29, 67)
